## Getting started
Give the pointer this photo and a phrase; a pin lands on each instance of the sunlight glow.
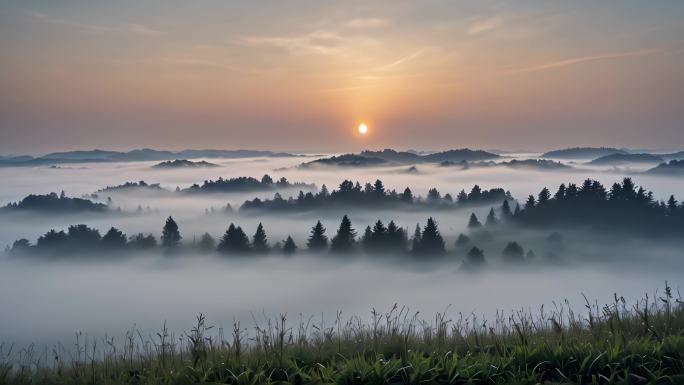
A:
(363, 128)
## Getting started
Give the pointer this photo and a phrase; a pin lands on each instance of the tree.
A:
(433, 195)
(51, 240)
(475, 259)
(517, 210)
(491, 218)
(234, 240)
(513, 252)
(82, 237)
(344, 240)
(529, 204)
(462, 197)
(379, 188)
(20, 246)
(506, 209)
(462, 241)
(142, 242)
(114, 239)
(544, 196)
(259, 241)
(317, 240)
(170, 235)
(266, 179)
(396, 237)
(415, 244)
(206, 243)
(473, 222)
(407, 196)
(367, 238)
(672, 206)
(431, 241)
(289, 246)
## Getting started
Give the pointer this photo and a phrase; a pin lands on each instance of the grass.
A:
(620, 343)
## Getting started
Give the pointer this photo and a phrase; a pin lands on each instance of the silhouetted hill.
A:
(133, 186)
(246, 184)
(54, 203)
(144, 154)
(620, 159)
(184, 163)
(583, 152)
(673, 168)
(393, 156)
(346, 160)
(459, 155)
(536, 164)
(673, 156)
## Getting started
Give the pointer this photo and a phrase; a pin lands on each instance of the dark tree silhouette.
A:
(407, 196)
(206, 243)
(544, 196)
(396, 238)
(344, 240)
(529, 204)
(114, 239)
(83, 238)
(473, 222)
(513, 253)
(462, 241)
(475, 259)
(415, 241)
(20, 247)
(431, 241)
(234, 241)
(259, 241)
(491, 218)
(170, 235)
(506, 210)
(317, 240)
(142, 242)
(517, 210)
(289, 246)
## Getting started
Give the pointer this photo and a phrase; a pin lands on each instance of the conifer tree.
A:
(259, 241)
(530, 203)
(491, 218)
(317, 240)
(344, 240)
(473, 222)
(234, 240)
(289, 246)
(170, 235)
(431, 241)
(206, 243)
(506, 209)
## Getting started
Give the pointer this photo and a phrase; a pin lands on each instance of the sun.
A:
(363, 129)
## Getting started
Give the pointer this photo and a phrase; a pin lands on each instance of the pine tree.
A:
(506, 209)
(379, 188)
(473, 222)
(114, 239)
(475, 259)
(234, 240)
(289, 246)
(431, 241)
(415, 244)
(259, 241)
(530, 203)
(206, 243)
(407, 196)
(367, 238)
(396, 237)
(344, 240)
(517, 210)
(170, 235)
(462, 197)
(544, 196)
(317, 240)
(513, 252)
(491, 218)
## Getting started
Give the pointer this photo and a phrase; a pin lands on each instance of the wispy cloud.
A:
(404, 59)
(589, 58)
(129, 28)
(480, 26)
(319, 41)
(366, 23)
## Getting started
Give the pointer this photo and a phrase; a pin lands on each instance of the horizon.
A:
(303, 76)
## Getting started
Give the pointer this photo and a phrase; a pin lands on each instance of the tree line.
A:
(353, 194)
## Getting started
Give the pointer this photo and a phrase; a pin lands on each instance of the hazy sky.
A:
(301, 75)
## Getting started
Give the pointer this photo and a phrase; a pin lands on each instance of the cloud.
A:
(590, 58)
(404, 59)
(480, 26)
(129, 28)
(366, 23)
(319, 41)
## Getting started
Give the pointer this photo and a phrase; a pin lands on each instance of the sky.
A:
(302, 75)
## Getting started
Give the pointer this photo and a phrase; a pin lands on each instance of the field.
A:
(639, 343)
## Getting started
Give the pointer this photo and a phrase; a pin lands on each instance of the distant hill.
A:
(144, 154)
(243, 183)
(133, 186)
(184, 163)
(673, 156)
(56, 204)
(619, 159)
(346, 160)
(583, 152)
(673, 168)
(389, 156)
(537, 164)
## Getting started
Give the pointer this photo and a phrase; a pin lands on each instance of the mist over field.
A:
(52, 297)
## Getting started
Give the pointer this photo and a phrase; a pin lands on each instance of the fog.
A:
(46, 300)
